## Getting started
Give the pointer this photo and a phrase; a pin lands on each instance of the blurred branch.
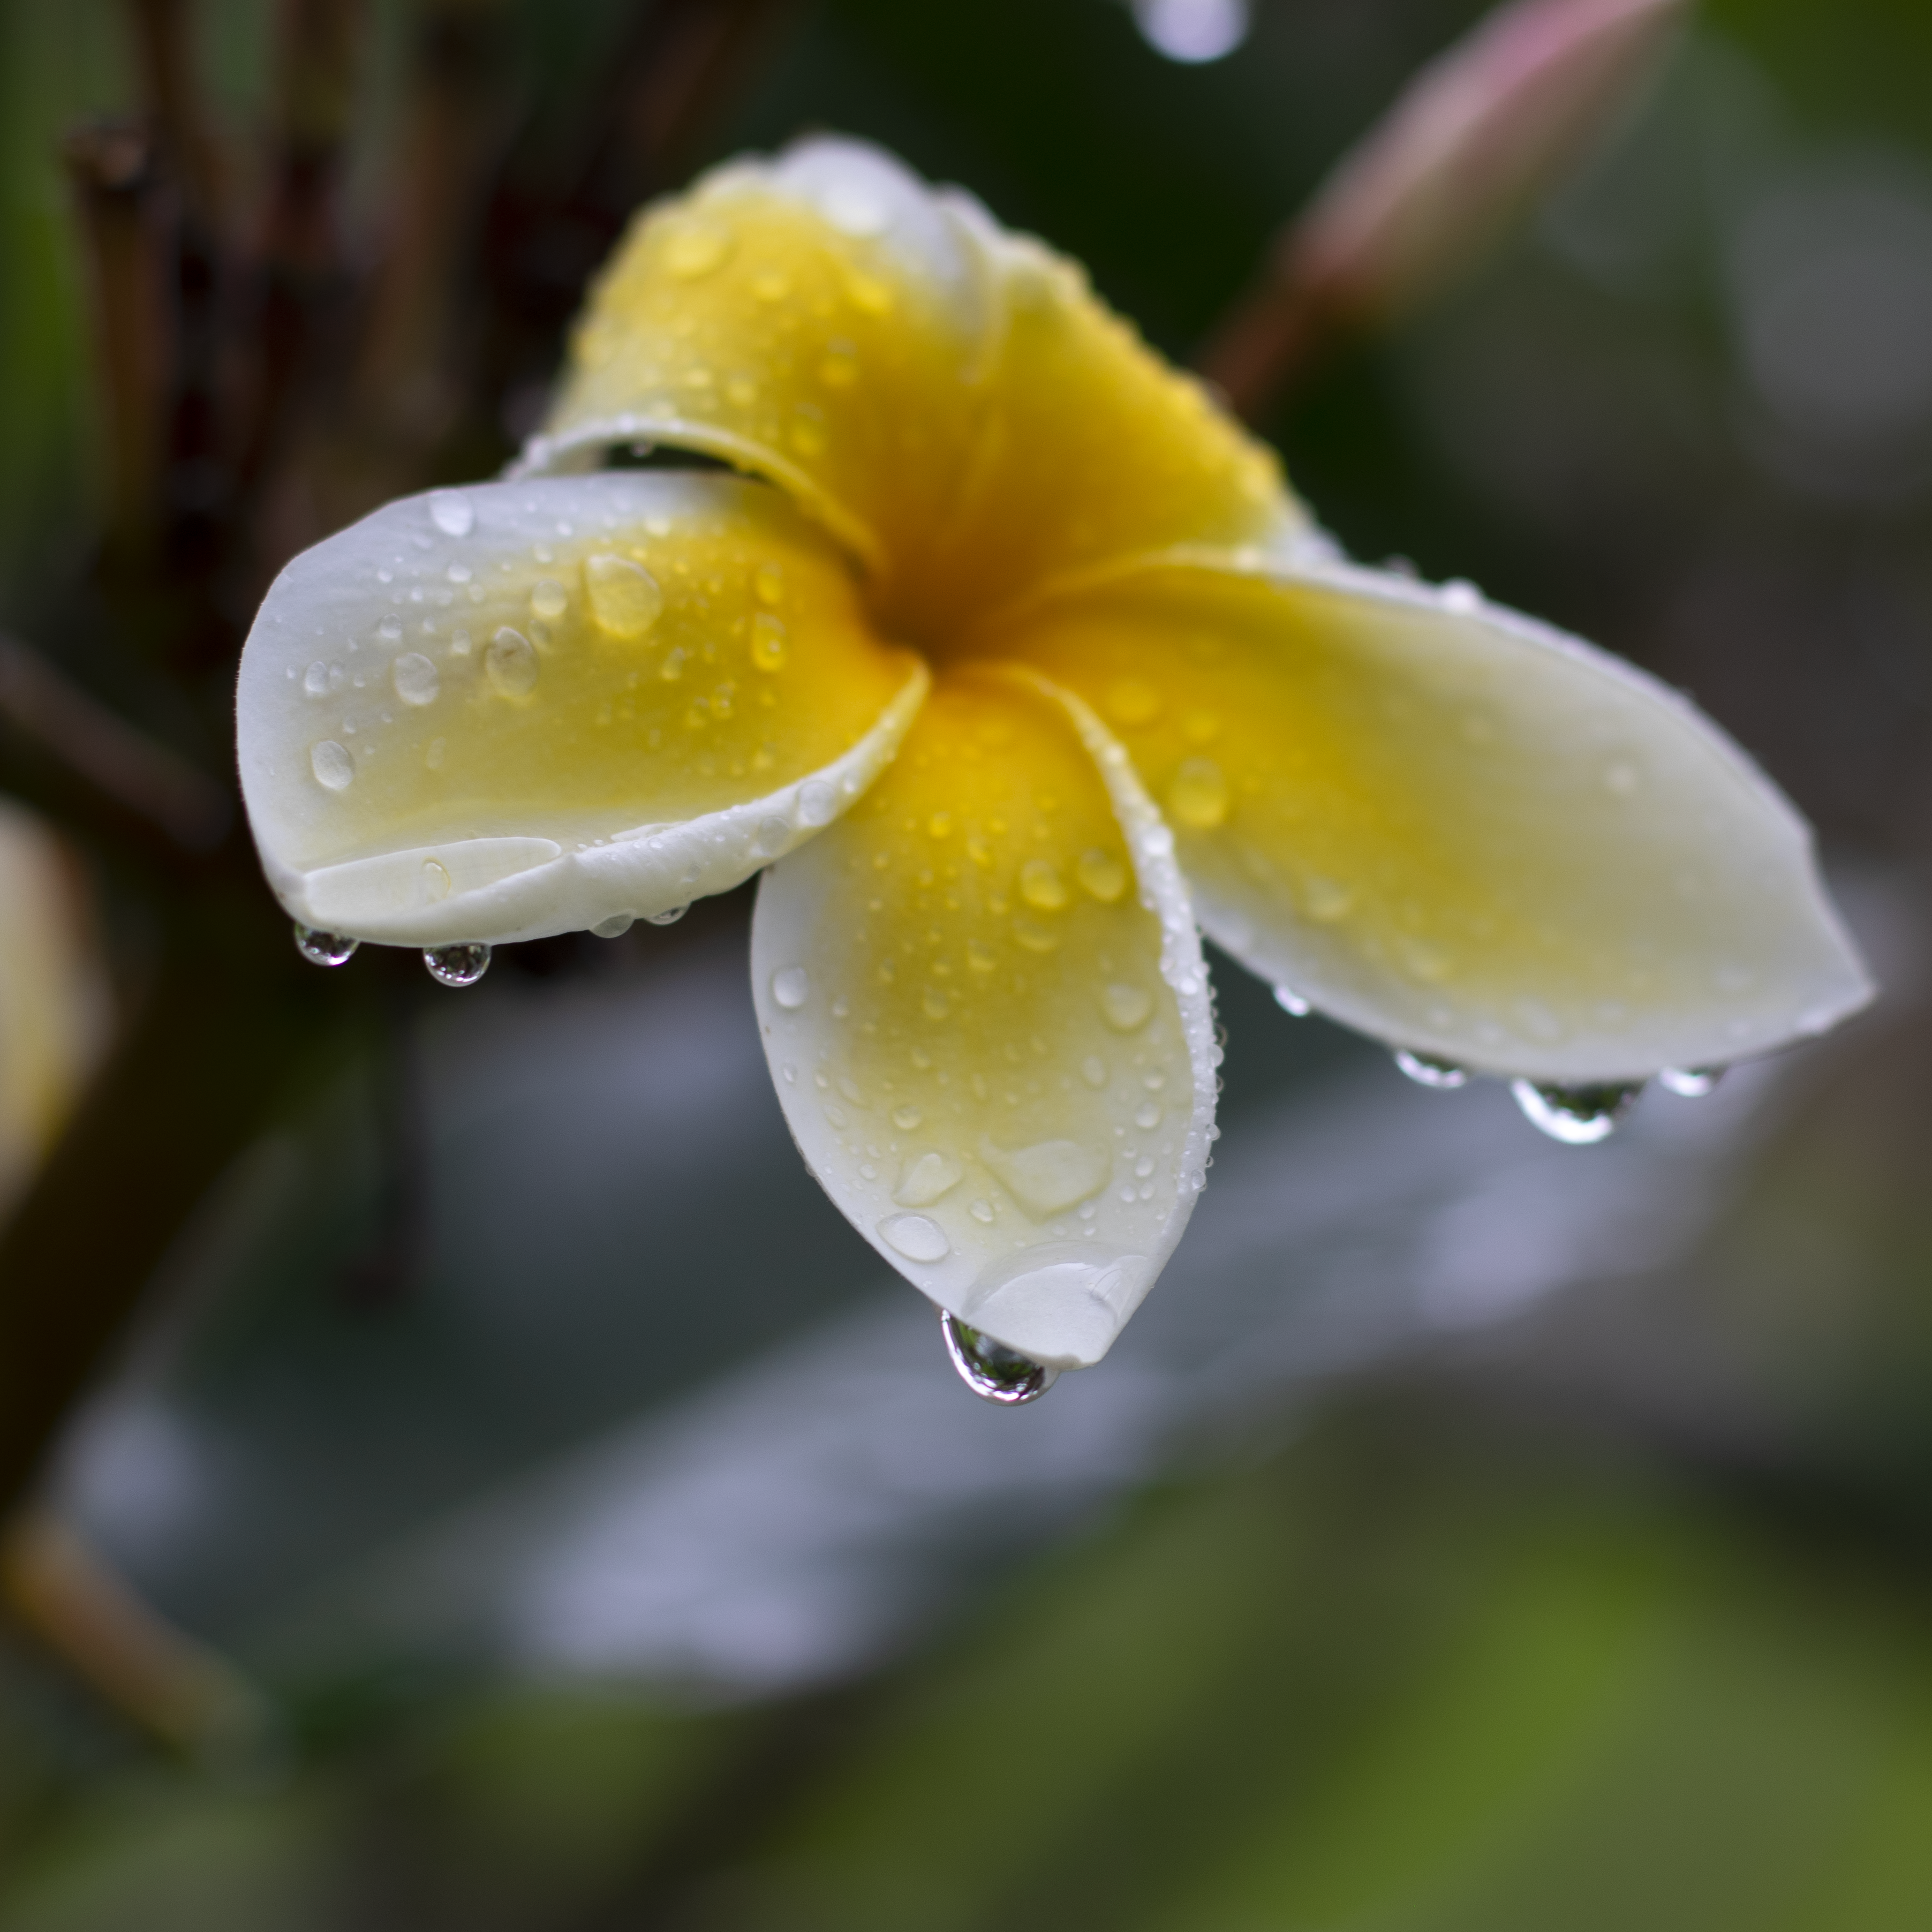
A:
(405, 387)
(304, 283)
(1418, 202)
(125, 764)
(175, 1689)
(164, 43)
(198, 1063)
(112, 169)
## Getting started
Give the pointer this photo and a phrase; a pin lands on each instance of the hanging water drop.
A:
(669, 916)
(1691, 1083)
(1426, 1070)
(992, 1371)
(1579, 1115)
(615, 927)
(1291, 1003)
(462, 965)
(323, 949)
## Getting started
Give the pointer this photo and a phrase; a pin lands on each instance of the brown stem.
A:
(112, 168)
(404, 380)
(303, 287)
(1267, 343)
(124, 763)
(164, 50)
(174, 1688)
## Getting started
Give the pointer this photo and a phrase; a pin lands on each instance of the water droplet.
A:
(1049, 1175)
(791, 987)
(1125, 1008)
(316, 682)
(768, 642)
(415, 679)
(916, 1236)
(460, 965)
(1578, 1115)
(1691, 1083)
(1197, 794)
(615, 927)
(669, 916)
(451, 513)
(928, 1177)
(868, 294)
(934, 1003)
(1460, 594)
(992, 1371)
(940, 825)
(1041, 885)
(1291, 1002)
(323, 949)
(1093, 1071)
(839, 368)
(807, 436)
(390, 630)
(906, 1118)
(625, 598)
(334, 770)
(510, 662)
(1426, 1070)
(772, 836)
(696, 249)
(768, 584)
(1102, 874)
(817, 803)
(436, 880)
(982, 1211)
(1035, 937)
(549, 599)
(1147, 1117)
(1132, 701)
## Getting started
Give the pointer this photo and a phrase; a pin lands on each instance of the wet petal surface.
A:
(824, 319)
(950, 399)
(518, 709)
(1454, 828)
(996, 1057)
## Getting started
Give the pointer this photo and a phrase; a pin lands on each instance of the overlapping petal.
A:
(529, 708)
(949, 399)
(983, 1001)
(1454, 828)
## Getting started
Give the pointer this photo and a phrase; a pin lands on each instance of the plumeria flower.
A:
(1014, 663)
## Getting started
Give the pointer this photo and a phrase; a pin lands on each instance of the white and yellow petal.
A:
(823, 319)
(949, 399)
(986, 1013)
(514, 709)
(1456, 828)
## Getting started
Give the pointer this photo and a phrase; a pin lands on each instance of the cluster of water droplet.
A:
(992, 1371)
(1579, 1114)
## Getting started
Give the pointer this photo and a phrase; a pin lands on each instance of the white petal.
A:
(998, 1062)
(515, 709)
(1454, 827)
